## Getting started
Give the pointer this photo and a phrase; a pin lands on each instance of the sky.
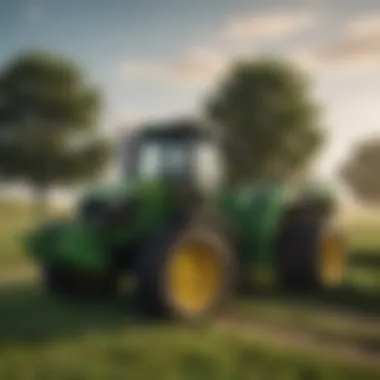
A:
(160, 58)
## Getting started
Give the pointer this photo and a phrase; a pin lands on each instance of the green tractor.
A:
(188, 238)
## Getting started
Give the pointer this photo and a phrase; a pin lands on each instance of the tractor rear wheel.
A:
(311, 254)
(185, 273)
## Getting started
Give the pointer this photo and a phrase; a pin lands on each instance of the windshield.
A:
(179, 159)
(158, 159)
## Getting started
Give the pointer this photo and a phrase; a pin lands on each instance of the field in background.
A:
(15, 220)
(264, 336)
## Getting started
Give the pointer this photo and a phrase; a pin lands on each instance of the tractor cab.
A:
(181, 151)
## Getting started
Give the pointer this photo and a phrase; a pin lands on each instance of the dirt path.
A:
(308, 342)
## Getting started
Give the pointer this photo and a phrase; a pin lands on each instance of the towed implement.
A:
(188, 238)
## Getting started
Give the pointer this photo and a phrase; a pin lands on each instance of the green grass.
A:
(164, 353)
(43, 338)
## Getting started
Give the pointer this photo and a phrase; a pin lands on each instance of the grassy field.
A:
(268, 335)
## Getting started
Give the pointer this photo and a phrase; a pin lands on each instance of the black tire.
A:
(56, 281)
(152, 293)
(299, 253)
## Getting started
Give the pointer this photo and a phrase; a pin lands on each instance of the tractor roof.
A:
(175, 129)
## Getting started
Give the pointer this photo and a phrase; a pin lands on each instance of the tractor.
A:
(189, 238)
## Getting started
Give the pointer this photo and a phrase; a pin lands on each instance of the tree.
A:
(267, 119)
(48, 121)
(361, 171)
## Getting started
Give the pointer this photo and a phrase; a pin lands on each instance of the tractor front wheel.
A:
(185, 274)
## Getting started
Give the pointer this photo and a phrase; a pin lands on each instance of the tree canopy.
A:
(49, 116)
(361, 171)
(267, 119)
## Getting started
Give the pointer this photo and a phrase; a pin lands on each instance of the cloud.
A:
(268, 25)
(199, 66)
(193, 68)
(363, 51)
(356, 49)
(317, 63)
(366, 25)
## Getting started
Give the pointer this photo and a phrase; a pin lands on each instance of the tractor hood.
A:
(105, 217)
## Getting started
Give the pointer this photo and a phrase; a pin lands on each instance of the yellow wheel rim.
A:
(332, 257)
(195, 278)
